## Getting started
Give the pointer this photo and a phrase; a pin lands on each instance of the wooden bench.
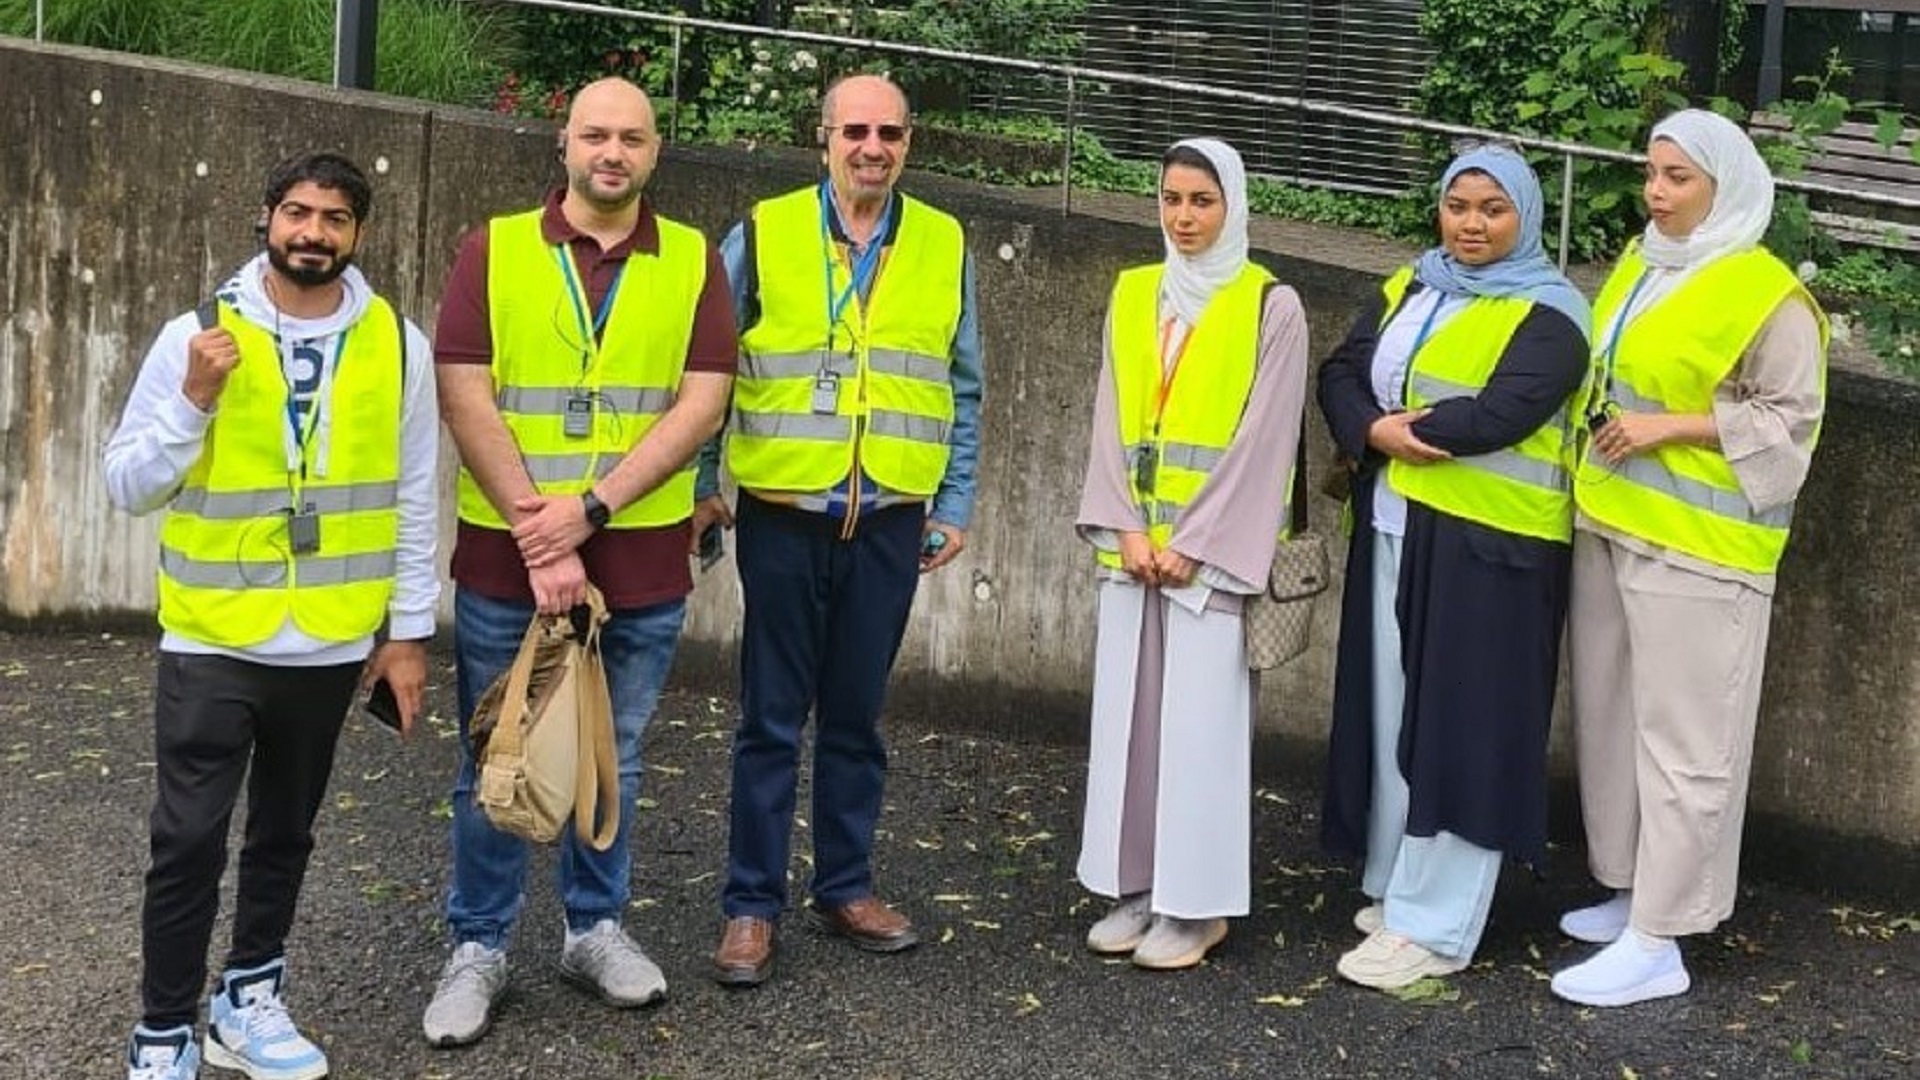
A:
(1850, 157)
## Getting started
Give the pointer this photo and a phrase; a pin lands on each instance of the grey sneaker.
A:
(1123, 927)
(462, 1005)
(1173, 943)
(607, 962)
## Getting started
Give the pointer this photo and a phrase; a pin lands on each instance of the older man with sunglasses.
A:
(853, 440)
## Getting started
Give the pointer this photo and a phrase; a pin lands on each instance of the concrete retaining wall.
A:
(130, 186)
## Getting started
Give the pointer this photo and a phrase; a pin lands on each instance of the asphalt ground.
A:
(978, 845)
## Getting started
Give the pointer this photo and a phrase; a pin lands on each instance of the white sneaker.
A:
(1602, 923)
(249, 1030)
(1124, 926)
(1371, 919)
(462, 1005)
(1173, 943)
(607, 962)
(1389, 961)
(1633, 969)
(162, 1055)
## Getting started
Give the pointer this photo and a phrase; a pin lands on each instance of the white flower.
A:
(773, 95)
(755, 87)
(762, 55)
(1807, 270)
(806, 60)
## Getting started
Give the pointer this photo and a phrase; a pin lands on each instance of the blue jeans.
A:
(824, 619)
(490, 866)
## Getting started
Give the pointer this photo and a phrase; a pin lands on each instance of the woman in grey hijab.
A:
(1451, 394)
(1196, 424)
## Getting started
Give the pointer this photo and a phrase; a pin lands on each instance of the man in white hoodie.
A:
(287, 429)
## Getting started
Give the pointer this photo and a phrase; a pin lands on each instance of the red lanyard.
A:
(1169, 369)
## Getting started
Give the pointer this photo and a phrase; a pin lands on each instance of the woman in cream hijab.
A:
(1196, 423)
(1701, 417)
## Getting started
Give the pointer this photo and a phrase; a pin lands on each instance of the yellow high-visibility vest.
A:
(228, 573)
(1670, 358)
(1520, 489)
(1205, 397)
(811, 399)
(546, 362)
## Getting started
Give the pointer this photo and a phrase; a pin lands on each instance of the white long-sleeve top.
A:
(162, 431)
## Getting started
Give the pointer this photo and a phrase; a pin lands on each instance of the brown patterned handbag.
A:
(1276, 619)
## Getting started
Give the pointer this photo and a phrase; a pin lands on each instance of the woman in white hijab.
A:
(1701, 417)
(1196, 427)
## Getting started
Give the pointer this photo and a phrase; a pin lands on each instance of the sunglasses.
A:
(889, 133)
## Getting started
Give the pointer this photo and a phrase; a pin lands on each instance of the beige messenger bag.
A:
(543, 734)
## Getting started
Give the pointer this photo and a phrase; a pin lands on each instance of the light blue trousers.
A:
(1436, 889)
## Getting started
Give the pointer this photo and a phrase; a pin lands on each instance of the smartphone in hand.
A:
(383, 706)
(712, 546)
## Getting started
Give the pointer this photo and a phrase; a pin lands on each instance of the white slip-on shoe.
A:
(1173, 943)
(1389, 961)
(1123, 927)
(1602, 923)
(1633, 969)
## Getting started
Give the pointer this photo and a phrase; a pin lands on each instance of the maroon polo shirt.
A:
(632, 567)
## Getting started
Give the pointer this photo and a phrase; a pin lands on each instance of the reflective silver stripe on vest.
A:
(909, 365)
(899, 425)
(1647, 472)
(1521, 469)
(316, 570)
(266, 502)
(552, 400)
(559, 468)
(1431, 389)
(797, 365)
(1633, 401)
(765, 425)
(1162, 511)
(1200, 459)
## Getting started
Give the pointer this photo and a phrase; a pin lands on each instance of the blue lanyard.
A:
(863, 267)
(1613, 340)
(302, 439)
(1420, 339)
(577, 294)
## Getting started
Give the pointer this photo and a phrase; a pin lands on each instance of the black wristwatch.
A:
(597, 512)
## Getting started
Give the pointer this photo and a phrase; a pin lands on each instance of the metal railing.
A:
(1075, 76)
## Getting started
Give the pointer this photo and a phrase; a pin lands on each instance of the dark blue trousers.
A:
(824, 619)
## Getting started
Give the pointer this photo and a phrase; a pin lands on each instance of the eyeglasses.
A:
(889, 133)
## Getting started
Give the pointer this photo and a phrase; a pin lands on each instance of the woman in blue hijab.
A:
(1450, 396)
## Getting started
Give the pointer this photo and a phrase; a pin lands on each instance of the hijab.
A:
(1526, 272)
(1189, 281)
(1742, 192)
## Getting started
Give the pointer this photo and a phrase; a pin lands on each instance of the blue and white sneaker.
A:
(248, 1028)
(162, 1055)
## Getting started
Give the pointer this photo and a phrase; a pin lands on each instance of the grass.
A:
(439, 50)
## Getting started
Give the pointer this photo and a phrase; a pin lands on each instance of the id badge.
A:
(579, 418)
(826, 394)
(303, 530)
(1143, 469)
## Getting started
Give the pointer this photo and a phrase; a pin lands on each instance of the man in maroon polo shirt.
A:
(585, 350)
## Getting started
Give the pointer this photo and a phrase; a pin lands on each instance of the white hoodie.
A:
(161, 431)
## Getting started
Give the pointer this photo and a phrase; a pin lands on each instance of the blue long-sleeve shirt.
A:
(953, 500)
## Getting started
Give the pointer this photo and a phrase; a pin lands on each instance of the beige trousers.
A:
(1666, 669)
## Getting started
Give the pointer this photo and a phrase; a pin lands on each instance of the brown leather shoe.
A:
(869, 924)
(745, 955)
